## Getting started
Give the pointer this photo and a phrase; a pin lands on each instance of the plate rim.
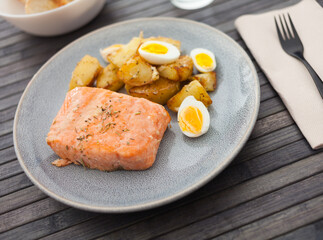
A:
(174, 197)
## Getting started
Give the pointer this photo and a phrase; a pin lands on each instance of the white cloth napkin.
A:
(287, 75)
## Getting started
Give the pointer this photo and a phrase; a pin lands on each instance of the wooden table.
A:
(274, 188)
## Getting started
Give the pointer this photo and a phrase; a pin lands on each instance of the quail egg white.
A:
(193, 117)
(203, 60)
(157, 52)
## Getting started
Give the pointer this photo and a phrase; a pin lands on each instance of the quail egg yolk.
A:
(155, 48)
(191, 120)
(204, 60)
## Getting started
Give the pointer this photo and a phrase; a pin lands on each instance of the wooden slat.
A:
(33, 49)
(10, 101)
(6, 141)
(38, 59)
(313, 231)
(20, 198)
(13, 39)
(8, 32)
(267, 92)
(18, 76)
(9, 59)
(13, 184)
(17, 48)
(215, 10)
(15, 88)
(125, 13)
(7, 114)
(296, 216)
(270, 142)
(4, 24)
(154, 8)
(270, 106)
(30, 212)
(295, 150)
(116, 5)
(7, 154)
(6, 127)
(42, 227)
(10, 169)
(152, 227)
(224, 21)
(271, 123)
(253, 8)
(249, 212)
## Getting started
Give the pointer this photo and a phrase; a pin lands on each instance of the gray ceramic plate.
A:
(182, 164)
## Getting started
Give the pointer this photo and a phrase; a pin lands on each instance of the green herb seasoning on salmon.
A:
(105, 130)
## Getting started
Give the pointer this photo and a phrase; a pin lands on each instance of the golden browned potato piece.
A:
(195, 89)
(137, 72)
(85, 72)
(36, 6)
(110, 51)
(208, 80)
(176, 43)
(160, 91)
(179, 70)
(62, 2)
(127, 87)
(121, 55)
(108, 79)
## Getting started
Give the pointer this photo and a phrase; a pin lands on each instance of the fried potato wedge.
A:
(176, 43)
(128, 87)
(160, 91)
(108, 79)
(106, 52)
(137, 72)
(85, 72)
(63, 2)
(179, 70)
(36, 6)
(207, 80)
(195, 89)
(121, 55)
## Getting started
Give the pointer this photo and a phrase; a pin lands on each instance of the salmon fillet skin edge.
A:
(105, 130)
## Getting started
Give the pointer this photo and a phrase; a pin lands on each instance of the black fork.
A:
(292, 45)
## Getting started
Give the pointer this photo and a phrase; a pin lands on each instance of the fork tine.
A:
(293, 27)
(288, 29)
(283, 28)
(278, 32)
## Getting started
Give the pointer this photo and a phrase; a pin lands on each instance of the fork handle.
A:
(317, 80)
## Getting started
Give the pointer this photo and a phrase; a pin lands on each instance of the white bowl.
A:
(54, 22)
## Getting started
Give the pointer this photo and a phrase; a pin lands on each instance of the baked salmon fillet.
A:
(105, 130)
